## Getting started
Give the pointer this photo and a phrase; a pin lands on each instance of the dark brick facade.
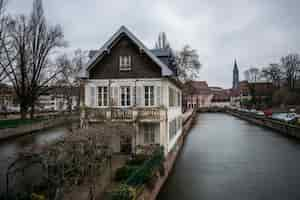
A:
(142, 65)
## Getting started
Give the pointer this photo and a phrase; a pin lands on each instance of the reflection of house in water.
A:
(135, 91)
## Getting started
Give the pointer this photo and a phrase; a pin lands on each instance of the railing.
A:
(149, 113)
(121, 114)
(276, 125)
(124, 114)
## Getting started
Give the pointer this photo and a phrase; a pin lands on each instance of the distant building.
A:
(261, 90)
(59, 98)
(8, 100)
(200, 95)
(221, 97)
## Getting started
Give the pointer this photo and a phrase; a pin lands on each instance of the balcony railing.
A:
(124, 114)
(149, 113)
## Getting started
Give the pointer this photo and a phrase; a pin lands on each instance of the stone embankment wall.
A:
(37, 126)
(281, 127)
(188, 121)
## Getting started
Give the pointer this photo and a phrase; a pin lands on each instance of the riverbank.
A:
(151, 194)
(281, 127)
(40, 125)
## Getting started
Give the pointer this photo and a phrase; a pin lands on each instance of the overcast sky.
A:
(255, 32)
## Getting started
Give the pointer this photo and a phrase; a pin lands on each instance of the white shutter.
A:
(87, 95)
(139, 96)
(92, 96)
(132, 96)
(158, 96)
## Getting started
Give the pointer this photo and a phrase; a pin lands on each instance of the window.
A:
(174, 126)
(173, 97)
(172, 129)
(125, 96)
(149, 95)
(102, 96)
(178, 99)
(125, 63)
(149, 134)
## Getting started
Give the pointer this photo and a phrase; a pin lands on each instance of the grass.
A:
(13, 123)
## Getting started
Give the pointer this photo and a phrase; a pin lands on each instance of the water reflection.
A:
(228, 158)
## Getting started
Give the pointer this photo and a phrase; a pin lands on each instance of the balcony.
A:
(124, 114)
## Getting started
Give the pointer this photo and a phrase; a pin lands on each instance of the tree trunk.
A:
(32, 111)
(23, 110)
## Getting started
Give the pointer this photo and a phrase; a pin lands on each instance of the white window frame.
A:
(101, 96)
(125, 63)
(149, 95)
(125, 91)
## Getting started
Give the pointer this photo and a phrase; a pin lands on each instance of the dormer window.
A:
(125, 63)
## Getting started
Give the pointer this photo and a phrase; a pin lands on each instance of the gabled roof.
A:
(106, 47)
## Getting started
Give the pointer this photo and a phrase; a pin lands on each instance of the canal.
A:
(9, 149)
(227, 158)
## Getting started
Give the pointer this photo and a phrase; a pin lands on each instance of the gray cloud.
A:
(255, 32)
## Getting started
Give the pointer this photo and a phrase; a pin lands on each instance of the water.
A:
(227, 158)
(9, 149)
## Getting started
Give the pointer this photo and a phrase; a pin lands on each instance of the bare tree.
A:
(3, 19)
(273, 73)
(67, 81)
(162, 42)
(29, 43)
(43, 40)
(188, 64)
(79, 158)
(291, 67)
(252, 74)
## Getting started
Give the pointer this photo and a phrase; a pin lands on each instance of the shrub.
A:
(145, 172)
(124, 172)
(123, 192)
(35, 196)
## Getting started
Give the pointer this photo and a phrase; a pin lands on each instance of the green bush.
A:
(145, 172)
(124, 192)
(124, 172)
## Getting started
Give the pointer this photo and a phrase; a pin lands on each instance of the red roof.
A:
(201, 87)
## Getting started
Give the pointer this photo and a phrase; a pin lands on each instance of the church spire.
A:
(235, 65)
(235, 82)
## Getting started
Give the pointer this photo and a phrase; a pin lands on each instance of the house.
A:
(199, 96)
(58, 98)
(127, 85)
(221, 97)
(262, 91)
(8, 100)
